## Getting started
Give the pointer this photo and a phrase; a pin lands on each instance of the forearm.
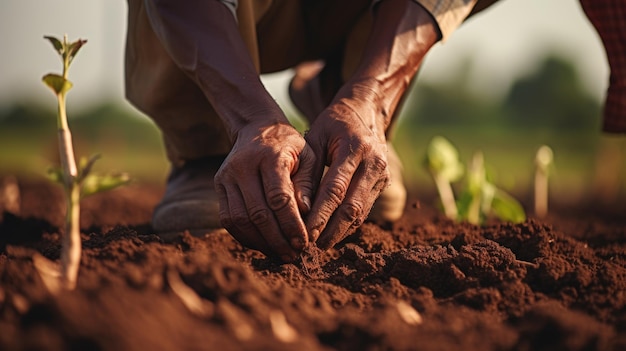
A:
(202, 38)
(401, 35)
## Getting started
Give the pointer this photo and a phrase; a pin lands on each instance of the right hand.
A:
(264, 188)
(349, 138)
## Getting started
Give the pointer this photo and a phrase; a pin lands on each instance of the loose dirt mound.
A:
(424, 283)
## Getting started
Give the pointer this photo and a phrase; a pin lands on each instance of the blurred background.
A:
(522, 74)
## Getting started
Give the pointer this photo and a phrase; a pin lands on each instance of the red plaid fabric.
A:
(609, 19)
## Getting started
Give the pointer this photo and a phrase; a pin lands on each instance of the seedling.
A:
(480, 198)
(472, 202)
(442, 161)
(77, 181)
(543, 163)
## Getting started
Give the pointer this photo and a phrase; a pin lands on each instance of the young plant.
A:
(543, 163)
(471, 206)
(442, 161)
(480, 198)
(78, 181)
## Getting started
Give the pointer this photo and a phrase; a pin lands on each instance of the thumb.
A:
(305, 179)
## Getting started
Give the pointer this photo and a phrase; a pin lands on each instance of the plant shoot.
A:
(442, 161)
(480, 198)
(543, 162)
(77, 181)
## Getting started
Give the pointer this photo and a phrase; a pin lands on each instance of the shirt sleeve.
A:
(449, 14)
(609, 19)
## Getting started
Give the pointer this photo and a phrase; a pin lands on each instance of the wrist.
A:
(254, 110)
(253, 125)
(365, 97)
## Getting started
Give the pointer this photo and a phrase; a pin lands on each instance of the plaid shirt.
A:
(609, 19)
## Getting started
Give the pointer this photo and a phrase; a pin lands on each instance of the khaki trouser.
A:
(279, 34)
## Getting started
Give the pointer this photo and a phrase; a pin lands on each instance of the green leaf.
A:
(75, 46)
(56, 43)
(85, 165)
(469, 207)
(443, 158)
(55, 174)
(57, 83)
(507, 208)
(476, 183)
(463, 204)
(476, 175)
(96, 183)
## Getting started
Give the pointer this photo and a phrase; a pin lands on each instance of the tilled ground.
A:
(423, 283)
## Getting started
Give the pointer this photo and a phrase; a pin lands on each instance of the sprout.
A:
(543, 162)
(476, 198)
(77, 181)
(442, 160)
(480, 198)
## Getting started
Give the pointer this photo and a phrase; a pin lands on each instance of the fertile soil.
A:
(423, 283)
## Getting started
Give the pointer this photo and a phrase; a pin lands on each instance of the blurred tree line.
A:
(127, 141)
(552, 97)
(33, 118)
(549, 105)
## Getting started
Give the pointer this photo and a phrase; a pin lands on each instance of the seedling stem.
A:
(543, 161)
(76, 180)
(442, 161)
(447, 196)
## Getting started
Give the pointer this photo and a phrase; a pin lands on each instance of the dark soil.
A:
(422, 283)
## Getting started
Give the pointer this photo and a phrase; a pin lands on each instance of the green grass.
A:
(509, 155)
(140, 153)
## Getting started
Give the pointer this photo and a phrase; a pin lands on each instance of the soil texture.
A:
(422, 283)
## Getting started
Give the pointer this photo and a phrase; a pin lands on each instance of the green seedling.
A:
(480, 198)
(78, 181)
(442, 161)
(471, 202)
(543, 162)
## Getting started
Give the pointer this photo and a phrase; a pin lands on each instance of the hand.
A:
(264, 186)
(349, 138)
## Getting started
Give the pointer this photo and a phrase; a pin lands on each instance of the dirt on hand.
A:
(423, 283)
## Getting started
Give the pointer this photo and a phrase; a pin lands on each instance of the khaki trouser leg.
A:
(191, 128)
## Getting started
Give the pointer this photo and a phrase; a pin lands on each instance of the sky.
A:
(504, 42)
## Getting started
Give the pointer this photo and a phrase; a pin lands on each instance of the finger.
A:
(230, 204)
(366, 185)
(280, 197)
(331, 193)
(304, 179)
(262, 217)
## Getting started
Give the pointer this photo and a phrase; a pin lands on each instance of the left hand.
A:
(349, 137)
(263, 187)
